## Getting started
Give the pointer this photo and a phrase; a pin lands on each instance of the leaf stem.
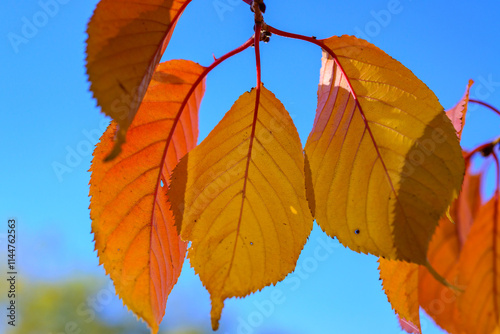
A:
(303, 38)
(485, 149)
(202, 76)
(321, 44)
(251, 139)
(255, 40)
(486, 105)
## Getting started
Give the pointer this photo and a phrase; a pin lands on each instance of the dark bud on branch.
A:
(487, 150)
(262, 7)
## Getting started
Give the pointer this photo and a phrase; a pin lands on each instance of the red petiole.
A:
(489, 106)
(202, 76)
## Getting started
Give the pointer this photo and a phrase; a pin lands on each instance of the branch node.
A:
(258, 7)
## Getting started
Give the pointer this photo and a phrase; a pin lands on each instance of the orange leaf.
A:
(384, 159)
(458, 112)
(479, 271)
(464, 210)
(400, 282)
(125, 44)
(239, 197)
(436, 299)
(133, 226)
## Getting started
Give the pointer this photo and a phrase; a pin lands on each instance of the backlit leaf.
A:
(464, 210)
(239, 197)
(479, 271)
(458, 112)
(400, 282)
(385, 162)
(134, 230)
(125, 44)
(436, 299)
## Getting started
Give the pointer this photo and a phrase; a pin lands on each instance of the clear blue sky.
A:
(48, 112)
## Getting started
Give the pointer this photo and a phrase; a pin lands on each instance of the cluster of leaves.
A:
(464, 248)
(379, 169)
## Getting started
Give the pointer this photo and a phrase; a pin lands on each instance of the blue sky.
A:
(49, 118)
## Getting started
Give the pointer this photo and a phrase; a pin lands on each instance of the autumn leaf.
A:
(464, 210)
(436, 299)
(406, 292)
(458, 112)
(408, 285)
(400, 283)
(134, 230)
(478, 270)
(125, 44)
(384, 159)
(239, 197)
(444, 252)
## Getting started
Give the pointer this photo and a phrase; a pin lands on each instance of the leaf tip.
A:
(217, 306)
(154, 328)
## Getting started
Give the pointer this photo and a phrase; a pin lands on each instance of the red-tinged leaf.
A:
(408, 326)
(239, 197)
(135, 235)
(125, 44)
(436, 299)
(458, 112)
(479, 272)
(384, 159)
(400, 283)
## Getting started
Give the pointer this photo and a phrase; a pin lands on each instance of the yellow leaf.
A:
(133, 226)
(125, 44)
(385, 161)
(400, 282)
(243, 198)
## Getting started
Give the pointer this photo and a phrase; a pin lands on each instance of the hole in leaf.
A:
(161, 183)
(357, 231)
(251, 243)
